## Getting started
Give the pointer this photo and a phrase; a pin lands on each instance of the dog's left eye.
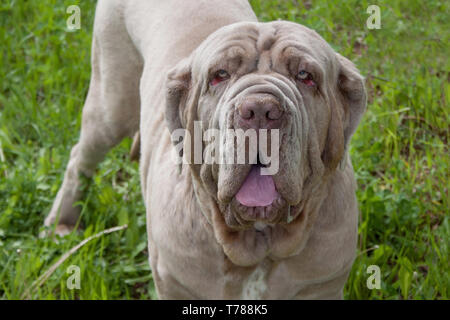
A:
(220, 76)
(306, 78)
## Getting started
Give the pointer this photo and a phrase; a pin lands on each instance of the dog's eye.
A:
(220, 76)
(306, 78)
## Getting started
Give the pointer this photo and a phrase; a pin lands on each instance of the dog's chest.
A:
(255, 286)
(259, 282)
(249, 283)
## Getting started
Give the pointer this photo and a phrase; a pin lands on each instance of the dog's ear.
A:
(348, 106)
(352, 95)
(178, 82)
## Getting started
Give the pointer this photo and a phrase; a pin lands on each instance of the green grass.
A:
(400, 152)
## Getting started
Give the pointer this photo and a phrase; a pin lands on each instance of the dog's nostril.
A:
(246, 112)
(260, 112)
(274, 113)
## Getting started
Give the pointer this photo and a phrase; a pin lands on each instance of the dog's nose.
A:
(260, 112)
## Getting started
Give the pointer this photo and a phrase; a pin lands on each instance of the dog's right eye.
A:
(306, 78)
(219, 76)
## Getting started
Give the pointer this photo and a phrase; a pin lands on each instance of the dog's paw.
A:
(61, 230)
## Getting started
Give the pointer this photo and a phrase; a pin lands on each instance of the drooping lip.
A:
(238, 216)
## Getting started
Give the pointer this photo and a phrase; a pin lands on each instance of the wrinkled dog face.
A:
(277, 77)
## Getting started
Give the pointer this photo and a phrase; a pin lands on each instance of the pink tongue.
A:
(257, 190)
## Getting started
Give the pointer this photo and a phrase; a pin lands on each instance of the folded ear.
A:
(352, 95)
(178, 82)
(349, 104)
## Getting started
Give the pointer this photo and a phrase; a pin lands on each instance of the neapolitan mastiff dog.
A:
(226, 230)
